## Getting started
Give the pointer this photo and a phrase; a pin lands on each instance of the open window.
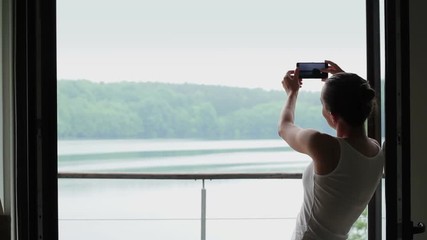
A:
(248, 46)
(190, 87)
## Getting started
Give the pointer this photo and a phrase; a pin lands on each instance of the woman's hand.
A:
(332, 68)
(291, 82)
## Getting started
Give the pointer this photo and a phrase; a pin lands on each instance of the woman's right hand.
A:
(332, 68)
(291, 82)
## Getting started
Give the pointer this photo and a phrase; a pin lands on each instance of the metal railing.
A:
(190, 176)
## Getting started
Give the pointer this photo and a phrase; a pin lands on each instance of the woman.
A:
(346, 168)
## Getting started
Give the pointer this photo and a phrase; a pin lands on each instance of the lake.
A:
(171, 209)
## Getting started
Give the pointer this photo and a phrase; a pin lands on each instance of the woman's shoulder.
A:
(367, 147)
(326, 153)
(322, 144)
(322, 140)
(375, 142)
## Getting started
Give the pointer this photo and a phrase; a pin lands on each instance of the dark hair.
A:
(350, 97)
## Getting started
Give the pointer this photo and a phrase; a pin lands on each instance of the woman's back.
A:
(333, 202)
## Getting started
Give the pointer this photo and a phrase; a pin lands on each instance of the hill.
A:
(88, 110)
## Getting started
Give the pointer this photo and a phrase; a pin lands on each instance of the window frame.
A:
(373, 65)
(36, 127)
(35, 119)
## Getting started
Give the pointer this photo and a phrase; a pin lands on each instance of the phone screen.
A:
(312, 69)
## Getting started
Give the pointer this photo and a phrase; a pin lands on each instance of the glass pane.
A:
(166, 209)
(129, 209)
(253, 209)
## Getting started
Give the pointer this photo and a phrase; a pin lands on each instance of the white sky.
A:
(245, 43)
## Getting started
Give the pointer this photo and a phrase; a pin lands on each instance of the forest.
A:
(131, 110)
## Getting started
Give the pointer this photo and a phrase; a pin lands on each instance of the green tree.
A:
(159, 110)
(359, 231)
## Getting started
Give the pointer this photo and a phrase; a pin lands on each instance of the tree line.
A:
(124, 110)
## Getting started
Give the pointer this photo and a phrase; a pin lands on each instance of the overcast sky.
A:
(243, 43)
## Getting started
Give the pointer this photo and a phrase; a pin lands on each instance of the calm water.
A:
(171, 209)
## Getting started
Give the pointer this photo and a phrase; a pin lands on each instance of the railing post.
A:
(203, 218)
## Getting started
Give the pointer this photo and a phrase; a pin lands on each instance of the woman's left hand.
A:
(291, 82)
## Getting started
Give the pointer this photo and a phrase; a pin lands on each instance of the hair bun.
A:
(368, 94)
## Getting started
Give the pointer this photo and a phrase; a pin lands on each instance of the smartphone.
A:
(312, 69)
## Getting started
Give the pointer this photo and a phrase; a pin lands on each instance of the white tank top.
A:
(333, 202)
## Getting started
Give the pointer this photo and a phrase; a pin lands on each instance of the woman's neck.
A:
(346, 131)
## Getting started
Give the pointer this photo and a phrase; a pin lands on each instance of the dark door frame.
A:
(397, 116)
(34, 71)
(373, 62)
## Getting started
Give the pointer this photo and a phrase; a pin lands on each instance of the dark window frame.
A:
(373, 67)
(35, 114)
(36, 124)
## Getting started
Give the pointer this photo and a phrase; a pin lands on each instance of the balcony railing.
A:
(203, 197)
(242, 221)
(212, 176)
